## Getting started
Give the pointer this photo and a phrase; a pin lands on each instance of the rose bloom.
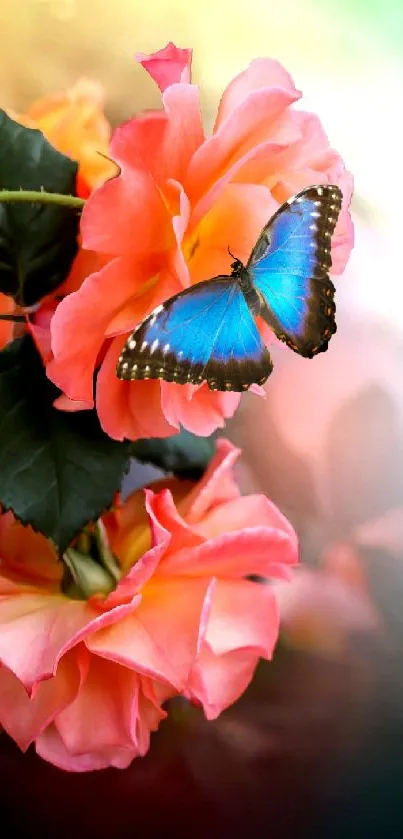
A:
(85, 679)
(166, 221)
(74, 123)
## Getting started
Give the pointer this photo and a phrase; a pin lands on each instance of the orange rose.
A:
(74, 122)
(86, 664)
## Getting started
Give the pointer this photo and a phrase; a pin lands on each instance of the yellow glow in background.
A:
(344, 56)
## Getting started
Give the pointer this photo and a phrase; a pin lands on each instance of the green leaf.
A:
(37, 242)
(58, 470)
(184, 454)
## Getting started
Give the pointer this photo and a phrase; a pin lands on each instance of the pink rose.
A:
(85, 679)
(166, 221)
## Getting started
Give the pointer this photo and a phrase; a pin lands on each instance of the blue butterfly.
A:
(208, 331)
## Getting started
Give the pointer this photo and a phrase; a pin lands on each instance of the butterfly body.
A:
(208, 331)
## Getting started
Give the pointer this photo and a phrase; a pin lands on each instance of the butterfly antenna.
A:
(231, 254)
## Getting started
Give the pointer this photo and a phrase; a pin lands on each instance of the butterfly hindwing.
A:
(205, 332)
(289, 268)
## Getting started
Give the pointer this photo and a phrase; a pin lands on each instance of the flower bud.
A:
(89, 577)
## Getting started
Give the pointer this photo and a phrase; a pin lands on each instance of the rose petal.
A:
(245, 512)
(219, 680)
(197, 409)
(168, 65)
(216, 486)
(180, 223)
(112, 222)
(263, 551)
(262, 72)
(25, 717)
(141, 568)
(243, 615)
(184, 132)
(49, 745)
(7, 307)
(234, 222)
(26, 556)
(167, 515)
(63, 403)
(256, 164)
(54, 625)
(249, 125)
(79, 324)
(128, 409)
(85, 263)
(113, 707)
(161, 639)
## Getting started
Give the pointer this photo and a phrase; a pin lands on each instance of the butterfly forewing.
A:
(205, 333)
(289, 267)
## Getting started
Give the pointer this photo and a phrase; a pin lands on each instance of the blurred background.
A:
(314, 747)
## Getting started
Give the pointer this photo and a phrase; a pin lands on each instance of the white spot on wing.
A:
(143, 346)
(166, 349)
(132, 343)
(154, 314)
(320, 190)
(154, 346)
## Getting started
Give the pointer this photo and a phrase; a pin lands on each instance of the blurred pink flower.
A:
(322, 607)
(166, 222)
(86, 678)
(385, 532)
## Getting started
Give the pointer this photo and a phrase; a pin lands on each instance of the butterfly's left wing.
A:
(289, 268)
(204, 333)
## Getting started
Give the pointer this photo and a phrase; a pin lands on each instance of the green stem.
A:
(41, 197)
(14, 318)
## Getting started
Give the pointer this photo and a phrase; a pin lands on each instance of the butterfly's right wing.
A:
(205, 332)
(289, 267)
